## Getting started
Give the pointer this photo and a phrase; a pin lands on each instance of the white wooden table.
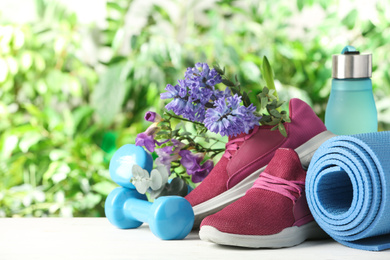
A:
(96, 238)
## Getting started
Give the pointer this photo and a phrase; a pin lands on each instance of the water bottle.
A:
(351, 107)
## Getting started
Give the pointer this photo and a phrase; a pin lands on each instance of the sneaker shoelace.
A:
(233, 145)
(290, 189)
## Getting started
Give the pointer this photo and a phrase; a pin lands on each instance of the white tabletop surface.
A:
(96, 238)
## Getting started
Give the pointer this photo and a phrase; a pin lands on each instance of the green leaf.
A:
(246, 99)
(58, 154)
(114, 60)
(175, 132)
(265, 118)
(108, 143)
(56, 172)
(285, 117)
(268, 74)
(257, 114)
(324, 4)
(162, 133)
(275, 113)
(227, 83)
(350, 19)
(80, 115)
(28, 140)
(184, 133)
(34, 110)
(219, 70)
(264, 102)
(280, 103)
(272, 96)
(7, 144)
(89, 201)
(236, 78)
(3, 70)
(115, 6)
(133, 41)
(250, 70)
(104, 187)
(118, 39)
(263, 99)
(164, 14)
(234, 90)
(282, 129)
(274, 121)
(300, 4)
(109, 94)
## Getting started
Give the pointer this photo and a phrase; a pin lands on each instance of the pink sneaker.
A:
(272, 214)
(247, 155)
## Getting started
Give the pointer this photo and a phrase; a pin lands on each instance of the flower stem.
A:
(183, 119)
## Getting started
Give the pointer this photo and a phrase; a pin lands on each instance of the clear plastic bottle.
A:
(351, 107)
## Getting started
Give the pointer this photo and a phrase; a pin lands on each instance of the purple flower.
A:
(197, 91)
(201, 81)
(178, 106)
(168, 154)
(201, 173)
(152, 129)
(152, 117)
(172, 91)
(230, 118)
(145, 140)
(202, 75)
(194, 111)
(192, 162)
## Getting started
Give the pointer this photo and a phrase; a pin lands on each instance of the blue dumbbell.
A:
(123, 160)
(169, 217)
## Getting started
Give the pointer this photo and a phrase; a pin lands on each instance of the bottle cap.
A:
(350, 64)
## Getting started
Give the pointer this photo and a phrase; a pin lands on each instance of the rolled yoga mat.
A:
(348, 189)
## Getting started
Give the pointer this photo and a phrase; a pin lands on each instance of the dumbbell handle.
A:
(137, 209)
(169, 217)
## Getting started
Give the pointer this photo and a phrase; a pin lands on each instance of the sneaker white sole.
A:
(286, 238)
(211, 206)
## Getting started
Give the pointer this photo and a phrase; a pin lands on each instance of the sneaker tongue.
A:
(239, 139)
(286, 164)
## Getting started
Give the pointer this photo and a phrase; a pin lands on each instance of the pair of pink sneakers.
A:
(254, 196)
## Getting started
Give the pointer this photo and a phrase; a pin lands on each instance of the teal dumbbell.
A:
(122, 162)
(169, 218)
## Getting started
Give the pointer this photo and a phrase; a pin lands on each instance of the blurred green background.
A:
(76, 78)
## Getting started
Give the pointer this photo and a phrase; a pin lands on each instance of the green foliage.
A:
(235, 87)
(268, 75)
(273, 117)
(57, 110)
(267, 98)
(50, 163)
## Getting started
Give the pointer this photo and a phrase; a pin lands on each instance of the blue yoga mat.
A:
(348, 189)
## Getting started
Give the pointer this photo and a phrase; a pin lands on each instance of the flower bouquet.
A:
(185, 138)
